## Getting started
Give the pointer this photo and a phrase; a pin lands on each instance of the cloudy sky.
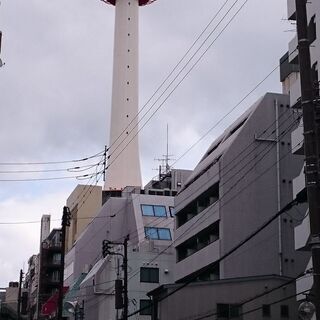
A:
(56, 93)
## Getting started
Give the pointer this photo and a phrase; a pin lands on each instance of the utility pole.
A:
(119, 288)
(125, 280)
(19, 294)
(65, 223)
(311, 122)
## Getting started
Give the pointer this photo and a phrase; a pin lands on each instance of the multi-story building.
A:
(31, 284)
(243, 179)
(50, 268)
(291, 80)
(147, 216)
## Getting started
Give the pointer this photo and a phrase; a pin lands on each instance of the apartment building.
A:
(291, 81)
(49, 272)
(243, 179)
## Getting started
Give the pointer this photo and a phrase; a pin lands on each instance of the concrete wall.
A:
(82, 211)
(200, 299)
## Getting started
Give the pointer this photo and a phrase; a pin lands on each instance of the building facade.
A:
(147, 216)
(243, 179)
(302, 231)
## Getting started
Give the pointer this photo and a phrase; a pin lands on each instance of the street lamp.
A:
(306, 310)
(74, 308)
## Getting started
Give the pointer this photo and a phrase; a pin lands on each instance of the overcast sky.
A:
(56, 93)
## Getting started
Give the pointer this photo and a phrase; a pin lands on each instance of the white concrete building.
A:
(147, 216)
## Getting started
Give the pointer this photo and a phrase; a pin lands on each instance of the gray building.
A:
(243, 179)
(147, 216)
(291, 84)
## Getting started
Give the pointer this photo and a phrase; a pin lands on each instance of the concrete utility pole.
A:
(19, 294)
(120, 289)
(65, 223)
(311, 121)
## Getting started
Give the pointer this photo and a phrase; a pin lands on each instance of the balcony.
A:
(291, 9)
(293, 51)
(197, 260)
(204, 219)
(297, 139)
(301, 235)
(295, 93)
(304, 283)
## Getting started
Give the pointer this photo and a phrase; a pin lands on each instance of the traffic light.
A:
(106, 246)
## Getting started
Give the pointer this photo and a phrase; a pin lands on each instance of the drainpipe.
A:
(278, 187)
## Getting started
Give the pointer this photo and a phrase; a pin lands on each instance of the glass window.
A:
(266, 310)
(160, 211)
(151, 233)
(149, 275)
(147, 210)
(164, 234)
(284, 311)
(145, 308)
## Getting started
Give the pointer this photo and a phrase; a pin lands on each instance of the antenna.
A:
(165, 167)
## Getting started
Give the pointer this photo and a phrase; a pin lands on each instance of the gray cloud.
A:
(56, 84)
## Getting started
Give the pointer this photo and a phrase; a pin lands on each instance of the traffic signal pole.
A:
(311, 122)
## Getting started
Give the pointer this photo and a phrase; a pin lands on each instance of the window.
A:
(227, 311)
(157, 233)
(149, 275)
(56, 258)
(266, 310)
(145, 308)
(284, 311)
(153, 210)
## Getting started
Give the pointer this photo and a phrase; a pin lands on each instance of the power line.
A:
(49, 162)
(177, 85)
(172, 71)
(221, 205)
(234, 249)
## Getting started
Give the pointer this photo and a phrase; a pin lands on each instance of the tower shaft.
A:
(123, 167)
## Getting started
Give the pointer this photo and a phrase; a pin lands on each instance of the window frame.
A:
(149, 276)
(153, 208)
(147, 311)
(266, 311)
(146, 229)
(284, 311)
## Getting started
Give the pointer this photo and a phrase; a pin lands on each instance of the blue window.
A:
(157, 233)
(153, 210)
(151, 233)
(164, 234)
(147, 210)
(160, 211)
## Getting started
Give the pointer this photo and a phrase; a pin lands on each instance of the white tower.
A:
(123, 167)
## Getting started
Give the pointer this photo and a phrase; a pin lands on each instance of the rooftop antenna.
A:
(165, 167)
